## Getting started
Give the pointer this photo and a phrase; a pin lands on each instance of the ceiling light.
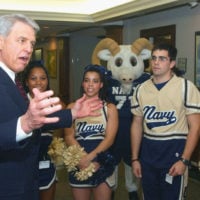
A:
(193, 4)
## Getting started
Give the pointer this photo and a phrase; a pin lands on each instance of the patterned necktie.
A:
(21, 89)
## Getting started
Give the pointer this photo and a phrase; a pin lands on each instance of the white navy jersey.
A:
(164, 111)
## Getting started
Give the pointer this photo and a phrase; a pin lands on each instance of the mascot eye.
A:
(118, 62)
(133, 61)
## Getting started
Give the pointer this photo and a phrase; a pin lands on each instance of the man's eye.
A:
(21, 40)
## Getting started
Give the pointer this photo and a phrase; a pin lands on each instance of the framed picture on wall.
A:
(37, 54)
(182, 64)
(51, 63)
(162, 34)
(197, 58)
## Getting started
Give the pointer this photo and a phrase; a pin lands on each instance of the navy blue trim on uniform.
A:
(167, 137)
(136, 96)
(185, 97)
(186, 91)
(104, 112)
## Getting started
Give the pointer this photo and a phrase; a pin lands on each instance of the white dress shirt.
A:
(20, 134)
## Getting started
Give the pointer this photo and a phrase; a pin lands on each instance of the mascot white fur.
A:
(126, 64)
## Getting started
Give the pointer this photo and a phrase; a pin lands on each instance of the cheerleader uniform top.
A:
(89, 132)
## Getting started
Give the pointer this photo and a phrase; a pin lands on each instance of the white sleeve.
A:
(21, 135)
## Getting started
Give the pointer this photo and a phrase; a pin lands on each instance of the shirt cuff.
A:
(21, 135)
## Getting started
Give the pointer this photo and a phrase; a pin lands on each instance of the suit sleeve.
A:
(65, 120)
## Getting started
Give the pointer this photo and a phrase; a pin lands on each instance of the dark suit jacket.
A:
(19, 160)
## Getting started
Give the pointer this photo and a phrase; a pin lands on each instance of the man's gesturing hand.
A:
(39, 108)
(84, 107)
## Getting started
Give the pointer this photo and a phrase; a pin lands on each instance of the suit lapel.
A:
(12, 90)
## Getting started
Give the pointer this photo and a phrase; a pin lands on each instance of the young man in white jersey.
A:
(165, 128)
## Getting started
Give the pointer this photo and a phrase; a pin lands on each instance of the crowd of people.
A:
(164, 129)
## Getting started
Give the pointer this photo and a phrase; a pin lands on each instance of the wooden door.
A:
(64, 70)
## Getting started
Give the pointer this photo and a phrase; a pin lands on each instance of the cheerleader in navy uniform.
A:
(95, 135)
(36, 76)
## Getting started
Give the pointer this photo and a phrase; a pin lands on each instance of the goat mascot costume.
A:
(126, 63)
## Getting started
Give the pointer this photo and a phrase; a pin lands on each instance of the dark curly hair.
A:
(103, 73)
(172, 52)
(32, 65)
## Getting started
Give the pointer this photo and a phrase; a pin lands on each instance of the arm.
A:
(81, 108)
(136, 138)
(69, 132)
(111, 130)
(193, 136)
(40, 110)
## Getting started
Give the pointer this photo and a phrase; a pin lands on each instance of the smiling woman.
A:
(94, 172)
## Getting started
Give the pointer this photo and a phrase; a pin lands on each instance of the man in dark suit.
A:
(20, 122)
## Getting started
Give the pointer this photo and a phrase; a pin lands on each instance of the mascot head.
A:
(126, 62)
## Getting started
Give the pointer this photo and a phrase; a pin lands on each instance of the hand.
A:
(137, 171)
(177, 168)
(84, 162)
(40, 107)
(86, 107)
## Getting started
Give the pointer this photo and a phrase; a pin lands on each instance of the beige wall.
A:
(187, 21)
(82, 43)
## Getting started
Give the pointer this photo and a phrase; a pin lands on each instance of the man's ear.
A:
(172, 64)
